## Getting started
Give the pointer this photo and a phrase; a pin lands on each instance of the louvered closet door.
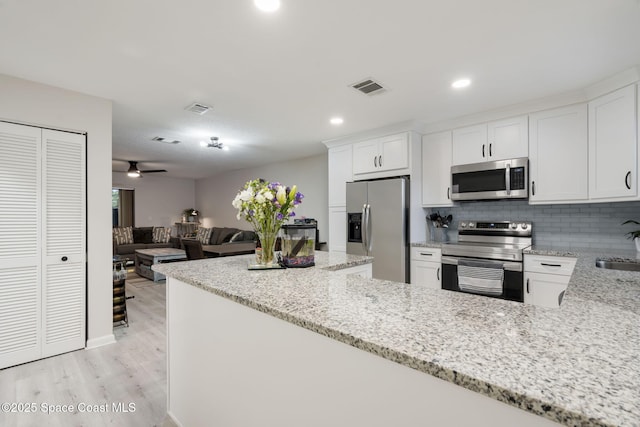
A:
(64, 229)
(20, 256)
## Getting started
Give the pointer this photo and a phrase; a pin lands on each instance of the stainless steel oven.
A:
(502, 179)
(487, 259)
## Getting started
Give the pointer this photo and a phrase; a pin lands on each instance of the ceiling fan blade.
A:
(154, 171)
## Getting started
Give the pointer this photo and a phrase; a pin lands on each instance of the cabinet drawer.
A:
(426, 254)
(549, 264)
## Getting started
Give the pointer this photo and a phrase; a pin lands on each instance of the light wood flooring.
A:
(132, 371)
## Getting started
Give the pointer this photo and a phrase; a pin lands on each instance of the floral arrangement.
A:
(266, 206)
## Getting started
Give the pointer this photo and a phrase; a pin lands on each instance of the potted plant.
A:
(188, 215)
(635, 234)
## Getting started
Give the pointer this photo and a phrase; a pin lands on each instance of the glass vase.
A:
(268, 246)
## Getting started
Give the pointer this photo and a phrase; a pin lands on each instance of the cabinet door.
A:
(20, 252)
(436, 169)
(613, 146)
(394, 152)
(470, 145)
(425, 274)
(508, 139)
(544, 289)
(365, 157)
(63, 283)
(338, 229)
(558, 160)
(340, 168)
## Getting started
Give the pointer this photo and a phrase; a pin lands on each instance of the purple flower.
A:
(292, 214)
(279, 216)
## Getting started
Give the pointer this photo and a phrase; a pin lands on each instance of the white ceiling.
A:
(275, 80)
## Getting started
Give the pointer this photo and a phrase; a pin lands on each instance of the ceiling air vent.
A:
(165, 140)
(198, 108)
(368, 87)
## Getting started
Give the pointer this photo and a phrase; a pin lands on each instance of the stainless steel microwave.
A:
(501, 179)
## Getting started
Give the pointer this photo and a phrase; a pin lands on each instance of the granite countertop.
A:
(577, 365)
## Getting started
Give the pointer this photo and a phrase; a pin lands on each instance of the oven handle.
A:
(506, 265)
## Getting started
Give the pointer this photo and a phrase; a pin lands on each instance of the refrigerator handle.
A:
(368, 226)
(363, 228)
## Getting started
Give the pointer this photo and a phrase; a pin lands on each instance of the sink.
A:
(617, 264)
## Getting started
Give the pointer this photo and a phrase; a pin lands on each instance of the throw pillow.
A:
(225, 235)
(123, 235)
(161, 234)
(143, 235)
(244, 236)
(236, 237)
(203, 235)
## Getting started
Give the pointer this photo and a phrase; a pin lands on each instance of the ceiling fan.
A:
(134, 172)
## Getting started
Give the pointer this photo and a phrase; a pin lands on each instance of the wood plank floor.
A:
(132, 371)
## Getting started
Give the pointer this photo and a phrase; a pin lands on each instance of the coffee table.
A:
(145, 258)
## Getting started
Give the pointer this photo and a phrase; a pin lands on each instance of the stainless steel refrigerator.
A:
(378, 223)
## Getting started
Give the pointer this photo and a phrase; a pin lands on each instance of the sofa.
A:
(126, 240)
(226, 241)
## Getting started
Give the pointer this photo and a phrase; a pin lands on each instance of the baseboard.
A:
(100, 341)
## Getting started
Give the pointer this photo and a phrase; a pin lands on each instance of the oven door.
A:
(513, 286)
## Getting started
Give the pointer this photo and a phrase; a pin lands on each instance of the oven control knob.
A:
(472, 225)
(524, 225)
(514, 225)
(463, 224)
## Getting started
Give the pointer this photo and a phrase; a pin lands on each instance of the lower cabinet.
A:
(546, 279)
(425, 267)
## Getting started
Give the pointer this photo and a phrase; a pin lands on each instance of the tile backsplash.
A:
(573, 226)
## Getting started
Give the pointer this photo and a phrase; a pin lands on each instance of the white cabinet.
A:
(613, 153)
(42, 243)
(546, 278)
(340, 167)
(379, 156)
(558, 149)
(426, 267)
(338, 229)
(436, 169)
(498, 140)
(469, 145)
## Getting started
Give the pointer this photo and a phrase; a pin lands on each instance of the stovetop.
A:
(502, 240)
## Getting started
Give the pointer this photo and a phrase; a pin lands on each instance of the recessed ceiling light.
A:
(267, 5)
(461, 83)
(336, 121)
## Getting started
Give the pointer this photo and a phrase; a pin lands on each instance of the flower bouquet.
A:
(266, 206)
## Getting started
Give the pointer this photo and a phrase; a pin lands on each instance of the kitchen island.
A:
(271, 347)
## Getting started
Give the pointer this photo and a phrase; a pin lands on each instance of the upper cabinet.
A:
(558, 155)
(499, 140)
(470, 145)
(340, 164)
(613, 152)
(377, 157)
(436, 169)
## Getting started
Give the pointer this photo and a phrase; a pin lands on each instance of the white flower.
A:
(281, 195)
(260, 198)
(246, 195)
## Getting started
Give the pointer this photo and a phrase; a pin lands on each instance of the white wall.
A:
(33, 103)
(159, 200)
(215, 194)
